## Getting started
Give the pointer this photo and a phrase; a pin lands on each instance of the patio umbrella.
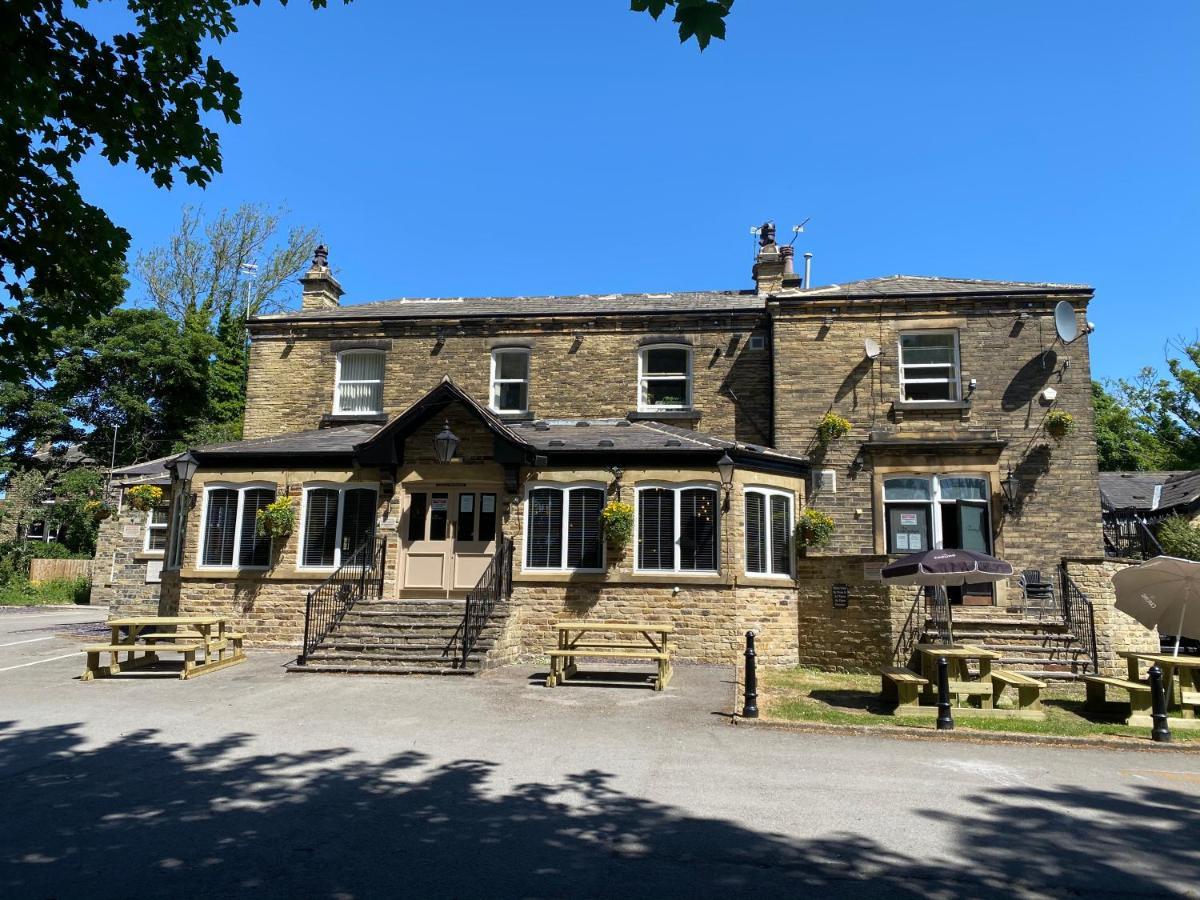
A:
(942, 568)
(1162, 593)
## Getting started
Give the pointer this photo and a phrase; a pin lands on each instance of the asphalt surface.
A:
(252, 779)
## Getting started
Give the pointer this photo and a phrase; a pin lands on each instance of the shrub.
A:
(814, 529)
(1059, 423)
(831, 427)
(277, 519)
(20, 592)
(617, 521)
(1179, 537)
(145, 497)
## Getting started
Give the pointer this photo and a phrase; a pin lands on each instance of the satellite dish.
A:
(1064, 321)
(871, 348)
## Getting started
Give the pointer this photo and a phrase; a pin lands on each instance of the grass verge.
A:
(810, 695)
(25, 593)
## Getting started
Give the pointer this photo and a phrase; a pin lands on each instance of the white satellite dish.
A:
(871, 348)
(1064, 321)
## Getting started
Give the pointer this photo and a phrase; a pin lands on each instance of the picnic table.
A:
(206, 637)
(962, 685)
(1181, 678)
(630, 640)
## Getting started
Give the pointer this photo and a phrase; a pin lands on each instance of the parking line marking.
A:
(30, 641)
(40, 661)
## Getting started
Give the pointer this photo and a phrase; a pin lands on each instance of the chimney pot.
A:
(319, 289)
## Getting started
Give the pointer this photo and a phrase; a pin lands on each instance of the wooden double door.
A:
(448, 536)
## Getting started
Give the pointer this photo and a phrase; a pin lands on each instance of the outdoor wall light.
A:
(1009, 485)
(445, 443)
(725, 467)
(184, 467)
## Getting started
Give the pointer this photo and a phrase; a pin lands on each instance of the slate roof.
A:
(1149, 491)
(918, 285)
(339, 441)
(152, 471)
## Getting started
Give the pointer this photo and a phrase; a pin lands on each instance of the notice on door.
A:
(440, 502)
(487, 503)
(908, 519)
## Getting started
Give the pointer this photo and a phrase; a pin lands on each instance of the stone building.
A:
(127, 566)
(702, 410)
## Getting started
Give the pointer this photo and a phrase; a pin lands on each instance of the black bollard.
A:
(1158, 699)
(750, 709)
(945, 721)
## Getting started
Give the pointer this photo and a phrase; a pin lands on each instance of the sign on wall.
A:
(841, 596)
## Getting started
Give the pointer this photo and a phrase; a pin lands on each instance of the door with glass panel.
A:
(449, 538)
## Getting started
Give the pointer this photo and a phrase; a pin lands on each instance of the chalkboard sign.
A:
(841, 596)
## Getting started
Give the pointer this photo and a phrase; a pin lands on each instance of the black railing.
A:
(1079, 616)
(937, 607)
(1127, 536)
(359, 574)
(910, 632)
(494, 586)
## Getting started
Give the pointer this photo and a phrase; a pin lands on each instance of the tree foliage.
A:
(1124, 442)
(1178, 537)
(699, 19)
(1165, 408)
(143, 96)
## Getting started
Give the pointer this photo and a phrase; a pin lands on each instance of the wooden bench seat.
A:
(143, 648)
(1191, 698)
(1029, 690)
(901, 686)
(611, 654)
(1139, 693)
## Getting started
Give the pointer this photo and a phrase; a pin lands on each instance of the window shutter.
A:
(584, 547)
(320, 527)
(545, 529)
(698, 529)
(219, 523)
(656, 529)
(781, 535)
(358, 519)
(254, 550)
(756, 533)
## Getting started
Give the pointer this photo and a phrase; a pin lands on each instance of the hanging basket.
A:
(98, 510)
(144, 497)
(617, 521)
(814, 529)
(276, 519)
(831, 427)
(1059, 424)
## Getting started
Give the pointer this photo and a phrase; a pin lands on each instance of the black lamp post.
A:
(445, 443)
(1009, 485)
(725, 467)
(184, 467)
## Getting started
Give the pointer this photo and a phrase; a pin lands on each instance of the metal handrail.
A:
(494, 585)
(910, 632)
(937, 607)
(1079, 615)
(329, 601)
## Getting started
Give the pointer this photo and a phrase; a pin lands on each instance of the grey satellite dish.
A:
(871, 348)
(1064, 321)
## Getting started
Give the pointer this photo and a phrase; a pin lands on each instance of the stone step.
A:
(355, 669)
(1032, 650)
(336, 642)
(424, 658)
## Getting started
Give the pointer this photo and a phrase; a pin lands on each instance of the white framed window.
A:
(929, 366)
(925, 511)
(335, 519)
(676, 528)
(229, 537)
(181, 501)
(562, 527)
(769, 523)
(358, 387)
(510, 380)
(157, 520)
(664, 377)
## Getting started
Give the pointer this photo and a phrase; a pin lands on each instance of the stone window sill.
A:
(901, 407)
(145, 555)
(665, 415)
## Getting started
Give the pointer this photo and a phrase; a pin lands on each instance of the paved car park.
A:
(300, 785)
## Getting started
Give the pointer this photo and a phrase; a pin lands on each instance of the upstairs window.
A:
(337, 520)
(677, 529)
(229, 532)
(664, 378)
(929, 365)
(510, 380)
(768, 532)
(562, 528)
(359, 388)
(156, 528)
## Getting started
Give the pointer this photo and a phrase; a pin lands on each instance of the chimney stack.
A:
(320, 290)
(769, 265)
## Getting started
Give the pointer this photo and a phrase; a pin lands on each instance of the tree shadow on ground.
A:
(143, 816)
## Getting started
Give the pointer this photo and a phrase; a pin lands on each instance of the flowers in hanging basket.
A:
(814, 528)
(1059, 423)
(277, 519)
(617, 521)
(145, 497)
(831, 427)
(97, 509)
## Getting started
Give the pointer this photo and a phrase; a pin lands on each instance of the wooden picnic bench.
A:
(901, 686)
(914, 693)
(1029, 690)
(579, 639)
(141, 646)
(1139, 696)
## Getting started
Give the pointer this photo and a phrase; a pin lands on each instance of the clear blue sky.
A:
(572, 147)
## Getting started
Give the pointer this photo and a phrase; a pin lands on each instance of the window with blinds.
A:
(698, 530)
(543, 537)
(230, 534)
(337, 521)
(585, 545)
(677, 529)
(768, 532)
(656, 529)
(359, 382)
(563, 528)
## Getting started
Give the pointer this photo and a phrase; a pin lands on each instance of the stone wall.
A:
(122, 566)
(1115, 631)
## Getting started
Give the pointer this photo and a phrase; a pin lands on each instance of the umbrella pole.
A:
(1179, 629)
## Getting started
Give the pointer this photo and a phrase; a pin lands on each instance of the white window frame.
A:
(241, 487)
(496, 381)
(643, 377)
(337, 383)
(934, 502)
(341, 487)
(767, 493)
(566, 487)
(678, 488)
(150, 526)
(955, 380)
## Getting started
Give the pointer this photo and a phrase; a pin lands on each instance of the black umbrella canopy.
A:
(946, 567)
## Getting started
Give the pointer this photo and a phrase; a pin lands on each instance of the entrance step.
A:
(376, 670)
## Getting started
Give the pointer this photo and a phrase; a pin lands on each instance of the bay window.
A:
(337, 520)
(359, 382)
(677, 529)
(510, 380)
(229, 528)
(929, 369)
(665, 377)
(562, 527)
(768, 531)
